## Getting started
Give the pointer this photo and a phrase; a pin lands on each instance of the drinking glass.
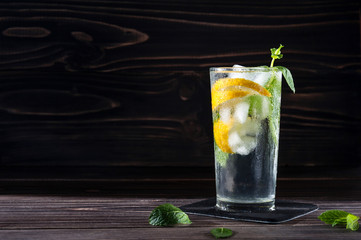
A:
(246, 118)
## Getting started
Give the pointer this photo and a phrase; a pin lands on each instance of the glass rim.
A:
(243, 69)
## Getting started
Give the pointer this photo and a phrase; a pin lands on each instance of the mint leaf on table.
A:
(221, 232)
(331, 216)
(167, 214)
(340, 222)
(340, 218)
(352, 222)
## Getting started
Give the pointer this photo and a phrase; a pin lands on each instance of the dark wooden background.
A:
(125, 83)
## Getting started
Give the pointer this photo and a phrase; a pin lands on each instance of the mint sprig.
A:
(167, 214)
(276, 54)
(340, 218)
(221, 232)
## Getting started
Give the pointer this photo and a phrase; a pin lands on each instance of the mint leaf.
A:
(330, 216)
(221, 232)
(221, 157)
(352, 222)
(167, 214)
(288, 76)
(216, 116)
(341, 222)
(259, 106)
(340, 218)
(274, 87)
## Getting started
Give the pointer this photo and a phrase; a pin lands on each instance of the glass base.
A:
(284, 211)
(245, 207)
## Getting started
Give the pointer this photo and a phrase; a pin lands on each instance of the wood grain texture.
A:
(117, 83)
(118, 206)
(104, 218)
(335, 183)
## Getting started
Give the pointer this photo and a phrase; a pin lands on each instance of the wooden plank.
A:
(106, 83)
(324, 188)
(244, 232)
(101, 173)
(311, 182)
(108, 218)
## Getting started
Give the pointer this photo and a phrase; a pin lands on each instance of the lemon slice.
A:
(220, 131)
(229, 88)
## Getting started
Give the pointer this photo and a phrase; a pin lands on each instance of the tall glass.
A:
(246, 117)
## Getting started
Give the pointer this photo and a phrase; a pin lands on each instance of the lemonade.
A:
(246, 118)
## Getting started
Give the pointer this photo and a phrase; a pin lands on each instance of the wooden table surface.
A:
(118, 207)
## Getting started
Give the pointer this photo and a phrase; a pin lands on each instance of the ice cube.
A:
(251, 127)
(241, 144)
(235, 74)
(241, 112)
(225, 113)
(242, 138)
(261, 78)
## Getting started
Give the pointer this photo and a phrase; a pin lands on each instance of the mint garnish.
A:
(288, 76)
(220, 156)
(340, 218)
(167, 214)
(259, 106)
(216, 116)
(276, 54)
(221, 232)
(274, 87)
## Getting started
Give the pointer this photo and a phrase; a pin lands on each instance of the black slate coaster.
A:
(285, 211)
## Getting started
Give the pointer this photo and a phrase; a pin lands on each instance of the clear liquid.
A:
(248, 182)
